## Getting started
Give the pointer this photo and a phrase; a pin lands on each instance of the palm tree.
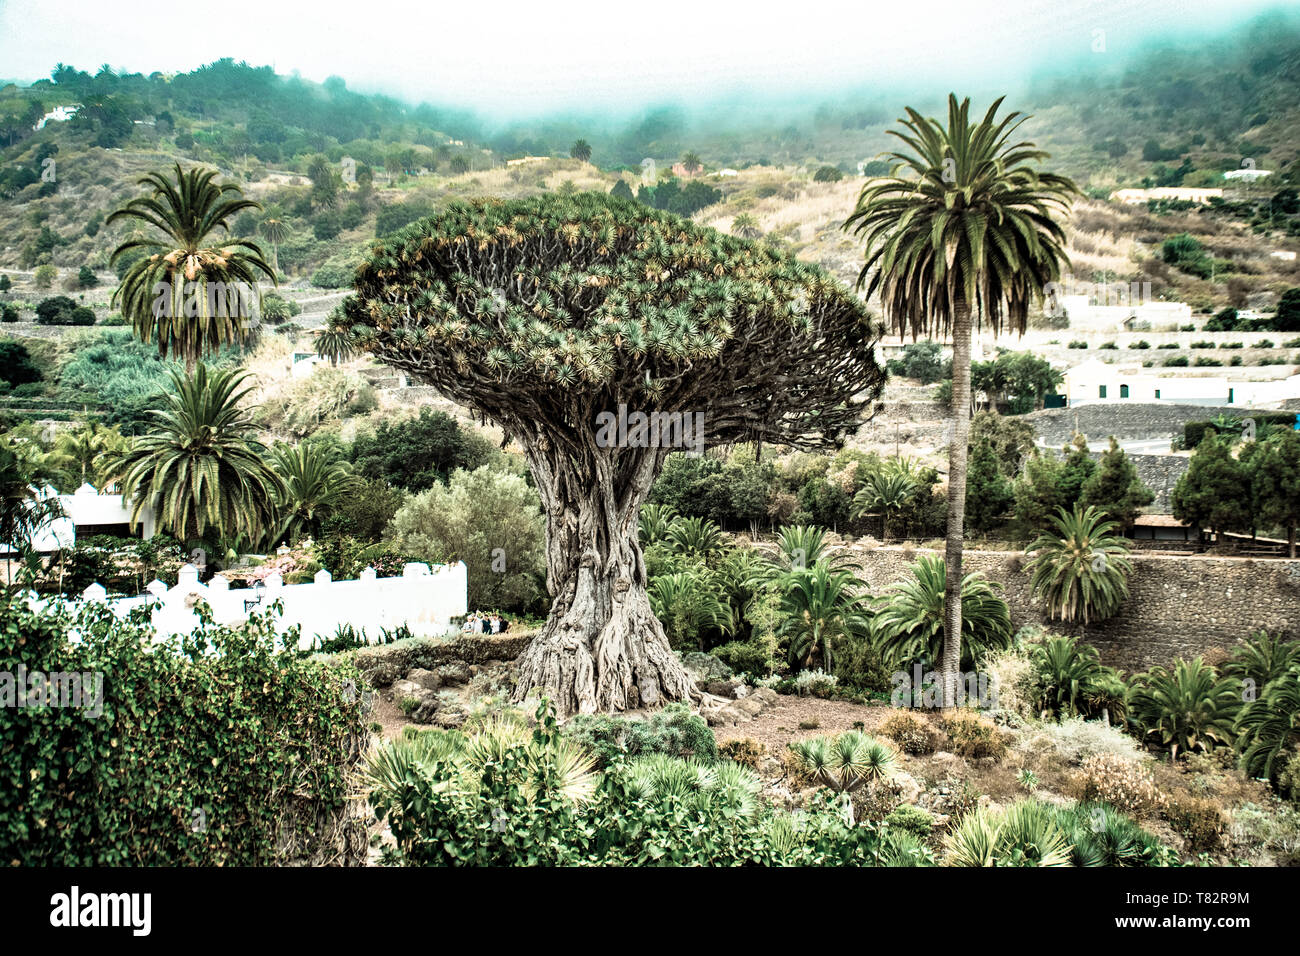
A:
(24, 509)
(688, 606)
(695, 536)
(1269, 727)
(655, 522)
(335, 344)
(190, 295)
(969, 229)
(886, 491)
(276, 231)
(910, 620)
(87, 452)
(581, 150)
(314, 482)
(746, 226)
(1080, 569)
(691, 162)
(199, 468)
(1189, 708)
(818, 605)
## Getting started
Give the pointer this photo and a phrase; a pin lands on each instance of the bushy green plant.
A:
(1101, 836)
(512, 810)
(674, 731)
(219, 748)
(1025, 834)
(1186, 709)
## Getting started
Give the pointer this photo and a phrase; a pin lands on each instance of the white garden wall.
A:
(425, 599)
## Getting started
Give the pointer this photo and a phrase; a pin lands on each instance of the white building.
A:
(1135, 197)
(86, 513)
(1096, 381)
(1263, 394)
(302, 364)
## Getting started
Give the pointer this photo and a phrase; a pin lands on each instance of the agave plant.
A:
(910, 619)
(1187, 709)
(662, 777)
(557, 766)
(1025, 834)
(1080, 569)
(1102, 836)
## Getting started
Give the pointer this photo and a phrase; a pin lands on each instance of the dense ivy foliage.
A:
(217, 750)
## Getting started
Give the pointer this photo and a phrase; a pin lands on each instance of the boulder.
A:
(732, 687)
(429, 680)
(427, 709)
(905, 786)
(704, 667)
(457, 672)
(406, 688)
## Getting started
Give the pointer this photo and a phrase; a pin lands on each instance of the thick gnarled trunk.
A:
(602, 649)
(957, 452)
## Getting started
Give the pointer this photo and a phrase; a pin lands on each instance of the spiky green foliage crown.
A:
(556, 307)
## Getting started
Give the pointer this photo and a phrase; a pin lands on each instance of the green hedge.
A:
(217, 750)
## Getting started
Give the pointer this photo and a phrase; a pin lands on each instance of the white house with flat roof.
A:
(86, 513)
(1097, 381)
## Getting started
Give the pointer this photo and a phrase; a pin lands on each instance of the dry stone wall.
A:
(1178, 606)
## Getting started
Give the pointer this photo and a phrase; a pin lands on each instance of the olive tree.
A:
(601, 335)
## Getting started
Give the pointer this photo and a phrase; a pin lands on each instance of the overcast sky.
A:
(512, 59)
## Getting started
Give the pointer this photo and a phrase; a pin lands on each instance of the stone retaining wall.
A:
(385, 663)
(1178, 606)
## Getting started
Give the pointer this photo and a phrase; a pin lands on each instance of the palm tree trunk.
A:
(951, 666)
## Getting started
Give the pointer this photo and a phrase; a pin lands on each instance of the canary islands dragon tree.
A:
(556, 317)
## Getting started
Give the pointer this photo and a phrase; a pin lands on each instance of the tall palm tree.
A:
(691, 162)
(87, 452)
(964, 225)
(276, 231)
(746, 226)
(199, 468)
(1080, 568)
(314, 482)
(193, 296)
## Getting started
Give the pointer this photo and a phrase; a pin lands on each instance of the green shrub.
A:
(914, 734)
(911, 820)
(974, 736)
(215, 749)
(1078, 344)
(674, 731)
(1168, 345)
(744, 657)
(332, 277)
(1108, 345)
(535, 803)
(1140, 344)
(1175, 361)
